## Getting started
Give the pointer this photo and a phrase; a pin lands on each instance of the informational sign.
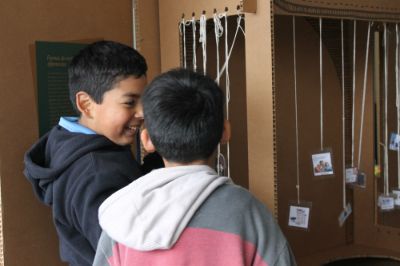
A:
(52, 59)
(299, 215)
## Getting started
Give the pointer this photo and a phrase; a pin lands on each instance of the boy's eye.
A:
(130, 103)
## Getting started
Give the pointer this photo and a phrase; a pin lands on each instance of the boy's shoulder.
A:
(93, 153)
(229, 201)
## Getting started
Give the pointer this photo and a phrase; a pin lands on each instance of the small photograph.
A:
(299, 216)
(351, 175)
(396, 193)
(394, 142)
(322, 164)
(361, 179)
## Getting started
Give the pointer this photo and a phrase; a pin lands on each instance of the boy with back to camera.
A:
(84, 159)
(185, 214)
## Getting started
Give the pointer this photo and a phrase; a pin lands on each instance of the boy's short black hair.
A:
(100, 65)
(183, 113)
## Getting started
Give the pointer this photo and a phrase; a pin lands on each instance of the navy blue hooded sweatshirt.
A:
(74, 173)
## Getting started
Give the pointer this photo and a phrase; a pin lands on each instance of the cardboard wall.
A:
(29, 234)
(325, 193)
(148, 35)
(258, 76)
(172, 52)
(363, 234)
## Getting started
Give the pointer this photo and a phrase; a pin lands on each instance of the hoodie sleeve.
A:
(105, 251)
(272, 246)
(101, 178)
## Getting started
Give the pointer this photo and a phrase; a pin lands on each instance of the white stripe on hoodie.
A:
(152, 212)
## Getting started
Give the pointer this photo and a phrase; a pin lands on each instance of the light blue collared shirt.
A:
(71, 124)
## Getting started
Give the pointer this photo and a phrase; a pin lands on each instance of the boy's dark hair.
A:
(183, 113)
(100, 65)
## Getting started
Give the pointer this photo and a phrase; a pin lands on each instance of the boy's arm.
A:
(97, 183)
(104, 252)
(272, 246)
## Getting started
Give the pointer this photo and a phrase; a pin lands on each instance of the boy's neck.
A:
(174, 164)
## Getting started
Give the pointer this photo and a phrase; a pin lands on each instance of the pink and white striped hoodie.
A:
(188, 215)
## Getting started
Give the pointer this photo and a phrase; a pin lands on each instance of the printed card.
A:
(361, 179)
(299, 216)
(345, 214)
(351, 175)
(394, 142)
(386, 202)
(396, 193)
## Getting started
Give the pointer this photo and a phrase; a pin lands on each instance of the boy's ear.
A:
(226, 134)
(84, 103)
(146, 141)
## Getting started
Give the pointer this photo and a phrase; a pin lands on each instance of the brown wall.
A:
(170, 16)
(29, 235)
(148, 36)
(325, 193)
(325, 240)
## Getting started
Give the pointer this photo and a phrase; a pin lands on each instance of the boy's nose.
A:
(139, 111)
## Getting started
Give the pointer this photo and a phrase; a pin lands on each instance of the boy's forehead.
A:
(131, 86)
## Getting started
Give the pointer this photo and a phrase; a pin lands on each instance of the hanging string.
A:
(295, 109)
(238, 27)
(363, 97)
(182, 30)
(218, 30)
(343, 120)
(203, 40)
(354, 93)
(397, 100)
(386, 170)
(227, 88)
(320, 84)
(194, 43)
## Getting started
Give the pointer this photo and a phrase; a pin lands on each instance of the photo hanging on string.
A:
(322, 164)
(394, 142)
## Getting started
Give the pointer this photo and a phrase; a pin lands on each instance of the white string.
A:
(343, 121)
(194, 44)
(363, 97)
(295, 108)
(386, 170)
(218, 30)
(203, 40)
(397, 100)
(320, 84)
(354, 93)
(238, 27)
(183, 32)
(227, 88)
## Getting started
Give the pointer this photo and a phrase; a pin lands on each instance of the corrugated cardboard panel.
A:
(386, 10)
(29, 233)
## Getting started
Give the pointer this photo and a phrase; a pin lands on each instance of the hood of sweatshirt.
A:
(152, 212)
(48, 158)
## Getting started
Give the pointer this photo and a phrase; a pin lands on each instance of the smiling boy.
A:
(84, 159)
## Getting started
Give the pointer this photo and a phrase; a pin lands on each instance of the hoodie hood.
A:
(152, 212)
(48, 158)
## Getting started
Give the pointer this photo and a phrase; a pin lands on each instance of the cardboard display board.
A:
(28, 231)
(258, 79)
(262, 111)
(350, 9)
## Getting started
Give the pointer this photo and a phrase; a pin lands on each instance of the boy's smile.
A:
(120, 114)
